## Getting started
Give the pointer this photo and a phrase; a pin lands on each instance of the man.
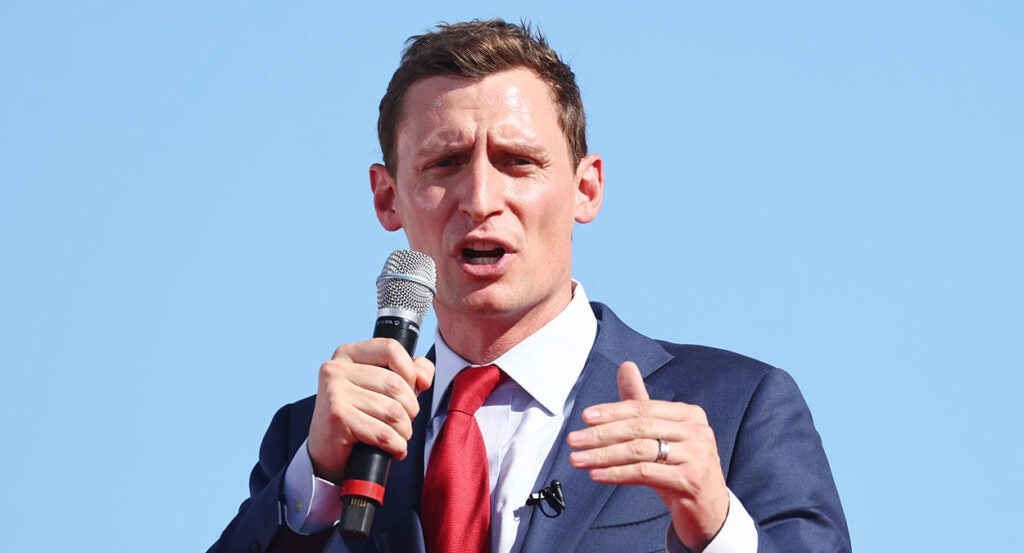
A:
(656, 445)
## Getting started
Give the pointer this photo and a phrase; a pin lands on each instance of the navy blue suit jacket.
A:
(771, 456)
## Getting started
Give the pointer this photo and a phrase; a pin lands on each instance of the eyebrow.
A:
(527, 149)
(440, 141)
(452, 140)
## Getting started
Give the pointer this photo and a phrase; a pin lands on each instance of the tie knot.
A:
(472, 386)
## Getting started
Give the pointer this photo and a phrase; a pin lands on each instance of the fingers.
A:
(628, 431)
(640, 474)
(634, 428)
(379, 370)
(380, 352)
(365, 393)
(631, 410)
(612, 445)
(636, 403)
(624, 442)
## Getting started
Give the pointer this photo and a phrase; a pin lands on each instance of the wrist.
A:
(697, 527)
(332, 473)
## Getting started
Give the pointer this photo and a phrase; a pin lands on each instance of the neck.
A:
(481, 338)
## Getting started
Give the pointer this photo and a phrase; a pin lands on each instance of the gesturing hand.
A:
(667, 446)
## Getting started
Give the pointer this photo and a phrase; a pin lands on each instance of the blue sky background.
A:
(186, 234)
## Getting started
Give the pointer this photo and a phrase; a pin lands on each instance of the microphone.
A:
(405, 290)
(552, 495)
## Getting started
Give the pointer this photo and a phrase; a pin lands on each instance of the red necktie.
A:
(456, 502)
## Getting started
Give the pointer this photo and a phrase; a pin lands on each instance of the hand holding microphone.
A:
(366, 396)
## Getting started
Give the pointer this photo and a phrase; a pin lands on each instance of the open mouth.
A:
(482, 257)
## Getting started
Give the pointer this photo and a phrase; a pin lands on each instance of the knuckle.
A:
(639, 427)
(389, 439)
(700, 433)
(327, 368)
(393, 348)
(394, 412)
(393, 384)
(335, 418)
(641, 408)
(697, 413)
(382, 434)
(341, 352)
(638, 449)
(680, 482)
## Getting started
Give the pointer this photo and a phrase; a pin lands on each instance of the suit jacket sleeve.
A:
(259, 525)
(779, 471)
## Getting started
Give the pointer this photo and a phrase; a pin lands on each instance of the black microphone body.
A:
(405, 290)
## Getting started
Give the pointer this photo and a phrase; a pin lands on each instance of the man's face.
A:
(485, 186)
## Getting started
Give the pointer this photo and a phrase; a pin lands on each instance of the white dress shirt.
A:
(520, 418)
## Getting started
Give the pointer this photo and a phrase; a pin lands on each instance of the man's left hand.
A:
(623, 446)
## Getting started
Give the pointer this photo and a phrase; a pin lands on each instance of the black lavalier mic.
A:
(552, 495)
(405, 290)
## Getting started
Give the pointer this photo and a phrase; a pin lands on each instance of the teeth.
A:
(482, 257)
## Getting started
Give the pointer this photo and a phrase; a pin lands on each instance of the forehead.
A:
(513, 98)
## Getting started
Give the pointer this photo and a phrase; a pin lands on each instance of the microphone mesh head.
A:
(407, 282)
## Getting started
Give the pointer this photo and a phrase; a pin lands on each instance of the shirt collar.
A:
(546, 364)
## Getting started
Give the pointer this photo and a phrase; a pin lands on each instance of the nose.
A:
(483, 193)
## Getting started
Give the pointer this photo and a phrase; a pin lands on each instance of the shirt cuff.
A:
(311, 504)
(738, 533)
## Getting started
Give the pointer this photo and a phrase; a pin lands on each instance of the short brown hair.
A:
(476, 49)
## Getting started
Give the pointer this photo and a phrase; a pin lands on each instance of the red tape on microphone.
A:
(364, 489)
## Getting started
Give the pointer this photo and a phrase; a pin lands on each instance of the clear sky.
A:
(186, 233)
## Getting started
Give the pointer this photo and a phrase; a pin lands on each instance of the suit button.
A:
(255, 548)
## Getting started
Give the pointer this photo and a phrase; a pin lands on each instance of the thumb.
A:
(424, 374)
(631, 384)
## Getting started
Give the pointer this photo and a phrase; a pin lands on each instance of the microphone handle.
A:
(362, 491)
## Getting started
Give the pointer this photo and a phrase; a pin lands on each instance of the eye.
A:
(442, 167)
(446, 162)
(522, 159)
(520, 162)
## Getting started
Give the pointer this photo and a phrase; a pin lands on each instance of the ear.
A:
(383, 187)
(589, 188)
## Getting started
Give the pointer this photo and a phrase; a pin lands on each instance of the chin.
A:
(484, 302)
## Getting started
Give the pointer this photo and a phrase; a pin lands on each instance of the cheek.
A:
(553, 214)
(420, 206)
(423, 220)
(425, 199)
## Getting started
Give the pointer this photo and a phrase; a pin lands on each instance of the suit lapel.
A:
(615, 344)
(584, 498)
